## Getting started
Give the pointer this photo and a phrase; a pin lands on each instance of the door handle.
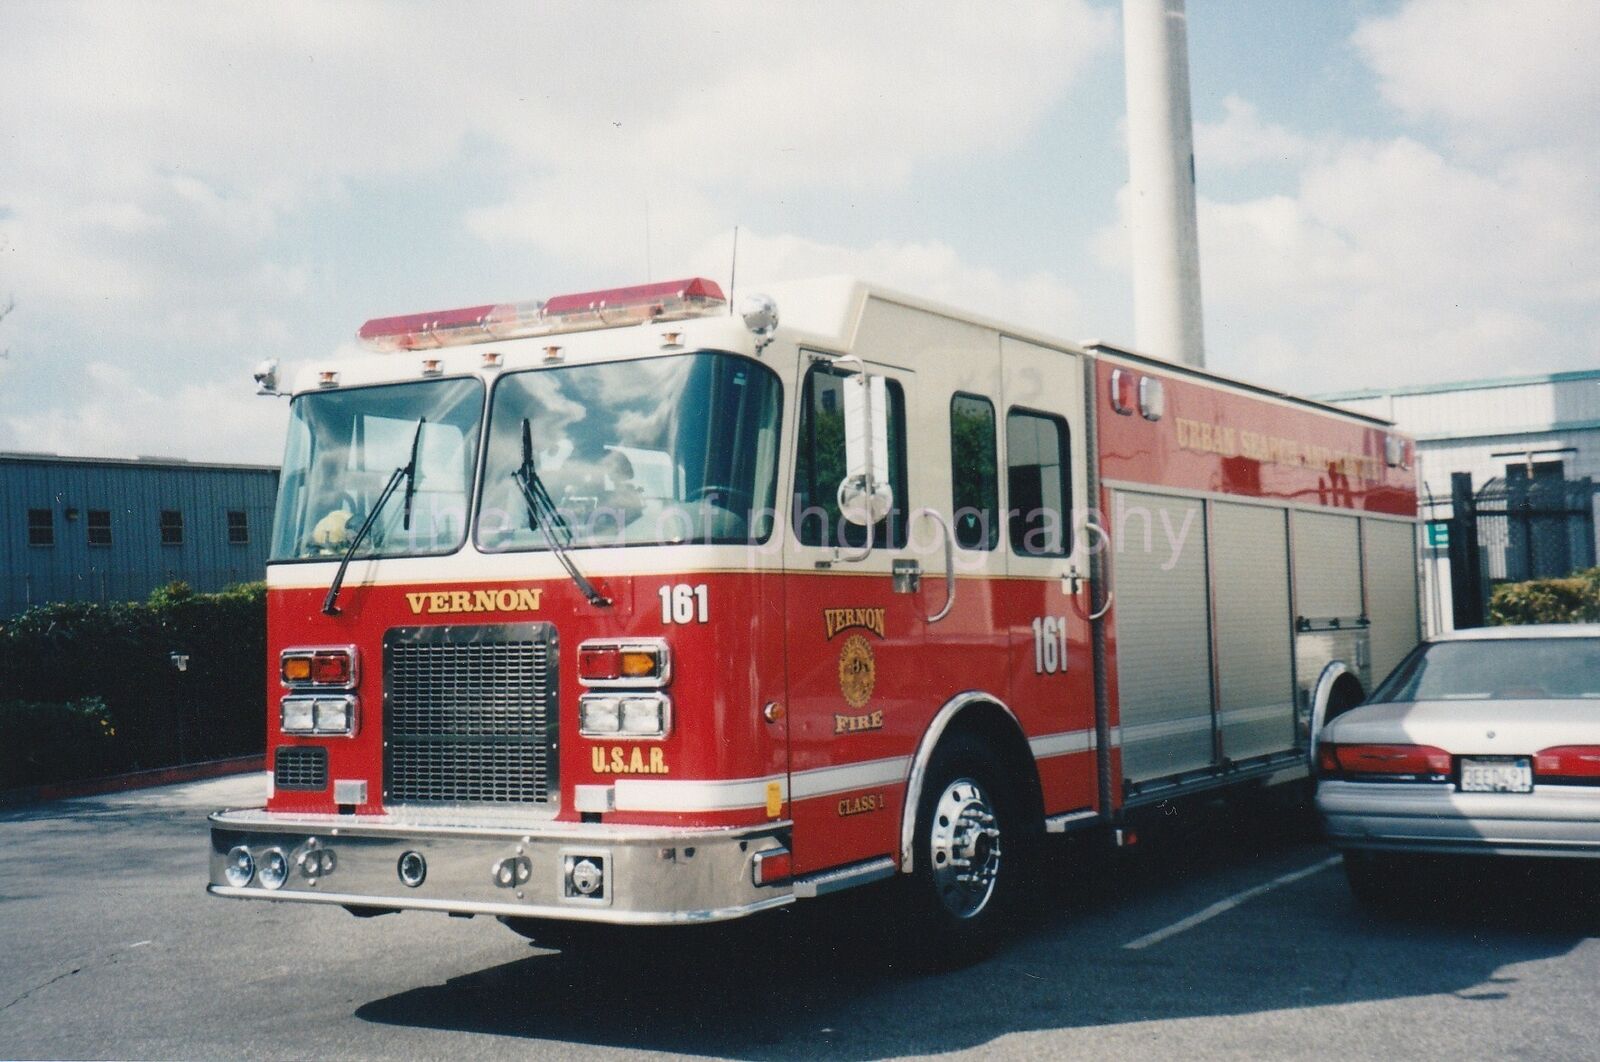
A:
(949, 562)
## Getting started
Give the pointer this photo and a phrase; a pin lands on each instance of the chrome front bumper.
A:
(651, 875)
(1421, 817)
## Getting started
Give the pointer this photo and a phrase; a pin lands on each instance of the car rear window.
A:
(1497, 670)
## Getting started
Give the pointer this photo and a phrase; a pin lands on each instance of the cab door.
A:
(852, 641)
(1047, 544)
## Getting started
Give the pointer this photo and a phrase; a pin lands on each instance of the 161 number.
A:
(682, 603)
(1049, 645)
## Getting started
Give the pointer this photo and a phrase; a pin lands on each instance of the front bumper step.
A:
(580, 872)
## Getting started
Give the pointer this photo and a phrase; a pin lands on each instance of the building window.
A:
(99, 526)
(975, 483)
(1036, 467)
(171, 527)
(41, 527)
(238, 527)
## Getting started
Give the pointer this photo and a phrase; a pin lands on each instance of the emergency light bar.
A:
(671, 300)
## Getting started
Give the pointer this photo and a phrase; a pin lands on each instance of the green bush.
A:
(72, 651)
(42, 743)
(1574, 599)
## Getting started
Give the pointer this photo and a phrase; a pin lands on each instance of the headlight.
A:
(599, 714)
(274, 868)
(646, 716)
(298, 715)
(319, 715)
(241, 867)
(334, 715)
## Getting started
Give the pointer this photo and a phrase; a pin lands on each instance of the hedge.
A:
(1574, 599)
(65, 662)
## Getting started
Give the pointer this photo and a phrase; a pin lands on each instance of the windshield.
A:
(343, 448)
(650, 452)
(1508, 669)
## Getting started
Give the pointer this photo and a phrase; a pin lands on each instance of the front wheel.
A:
(967, 855)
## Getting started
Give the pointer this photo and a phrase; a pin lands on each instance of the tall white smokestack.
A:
(1166, 244)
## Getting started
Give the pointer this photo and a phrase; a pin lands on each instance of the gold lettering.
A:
(460, 601)
(528, 600)
(438, 602)
(415, 601)
(597, 759)
(861, 805)
(483, 601)
(658, 761)
(840, 619)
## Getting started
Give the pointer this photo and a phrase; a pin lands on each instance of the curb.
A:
(187, 772)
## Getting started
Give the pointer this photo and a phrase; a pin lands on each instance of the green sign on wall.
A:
(1438, 535)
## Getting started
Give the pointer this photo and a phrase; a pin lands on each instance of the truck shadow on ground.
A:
(829, 977)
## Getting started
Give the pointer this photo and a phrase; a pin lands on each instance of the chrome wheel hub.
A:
(964, 847)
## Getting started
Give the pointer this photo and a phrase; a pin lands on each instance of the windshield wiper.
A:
(407, 471)
(542, 511)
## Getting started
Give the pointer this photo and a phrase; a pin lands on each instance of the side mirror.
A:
(266, 377)
(865, 496)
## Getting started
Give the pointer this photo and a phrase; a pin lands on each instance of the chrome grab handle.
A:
(1091, 521)
(949, 562)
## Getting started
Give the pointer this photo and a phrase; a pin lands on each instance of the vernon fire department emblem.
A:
(857, 671)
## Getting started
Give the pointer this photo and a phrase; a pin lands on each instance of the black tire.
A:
(966, 812)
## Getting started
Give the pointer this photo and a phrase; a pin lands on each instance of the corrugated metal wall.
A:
(134, 493)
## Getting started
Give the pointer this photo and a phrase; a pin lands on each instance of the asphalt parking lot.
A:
(1233, 936)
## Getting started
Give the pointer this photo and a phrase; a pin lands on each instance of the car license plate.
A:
(1496, 776)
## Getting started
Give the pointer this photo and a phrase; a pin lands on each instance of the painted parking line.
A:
(1224, 906)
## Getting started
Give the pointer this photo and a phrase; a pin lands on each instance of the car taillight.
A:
(1574, 762)
(1384, 762)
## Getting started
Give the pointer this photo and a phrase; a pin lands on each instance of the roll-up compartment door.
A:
(1255, 631)
(1327, 566)
(1390, 548)
(1163, 635)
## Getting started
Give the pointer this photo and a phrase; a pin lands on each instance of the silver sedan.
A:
(1481, 742)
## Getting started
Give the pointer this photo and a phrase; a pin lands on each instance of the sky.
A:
(1390, 191)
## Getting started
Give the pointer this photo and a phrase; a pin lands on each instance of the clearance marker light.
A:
(672, 300)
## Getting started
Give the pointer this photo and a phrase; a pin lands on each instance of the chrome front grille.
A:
(470, 714)
(300, 767)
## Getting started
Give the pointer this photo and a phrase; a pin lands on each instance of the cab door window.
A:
(975, 479)
(1037, 479)
(820, 465)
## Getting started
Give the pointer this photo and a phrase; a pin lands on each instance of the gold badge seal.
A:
(857, 671)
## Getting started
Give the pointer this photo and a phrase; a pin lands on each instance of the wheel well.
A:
(994, 726)
(1345, 695)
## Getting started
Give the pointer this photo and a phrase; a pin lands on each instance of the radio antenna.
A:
(733, 269)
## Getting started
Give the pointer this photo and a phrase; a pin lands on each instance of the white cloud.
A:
(1241, 139)
(1499, 74)
(121, 413)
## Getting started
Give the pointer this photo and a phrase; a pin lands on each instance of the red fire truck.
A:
(629, 607)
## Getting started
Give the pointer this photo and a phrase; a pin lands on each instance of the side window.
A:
(99, 527)
(975, 477)
(171, 527)
(238, 527)
(41, 527)
(819, 466)
(1037, 448)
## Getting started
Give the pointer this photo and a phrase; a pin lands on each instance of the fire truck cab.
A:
(633, 607)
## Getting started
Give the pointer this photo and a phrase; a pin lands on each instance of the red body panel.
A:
(1214, 440)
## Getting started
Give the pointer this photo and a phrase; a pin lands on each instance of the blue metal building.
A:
(113, 529)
